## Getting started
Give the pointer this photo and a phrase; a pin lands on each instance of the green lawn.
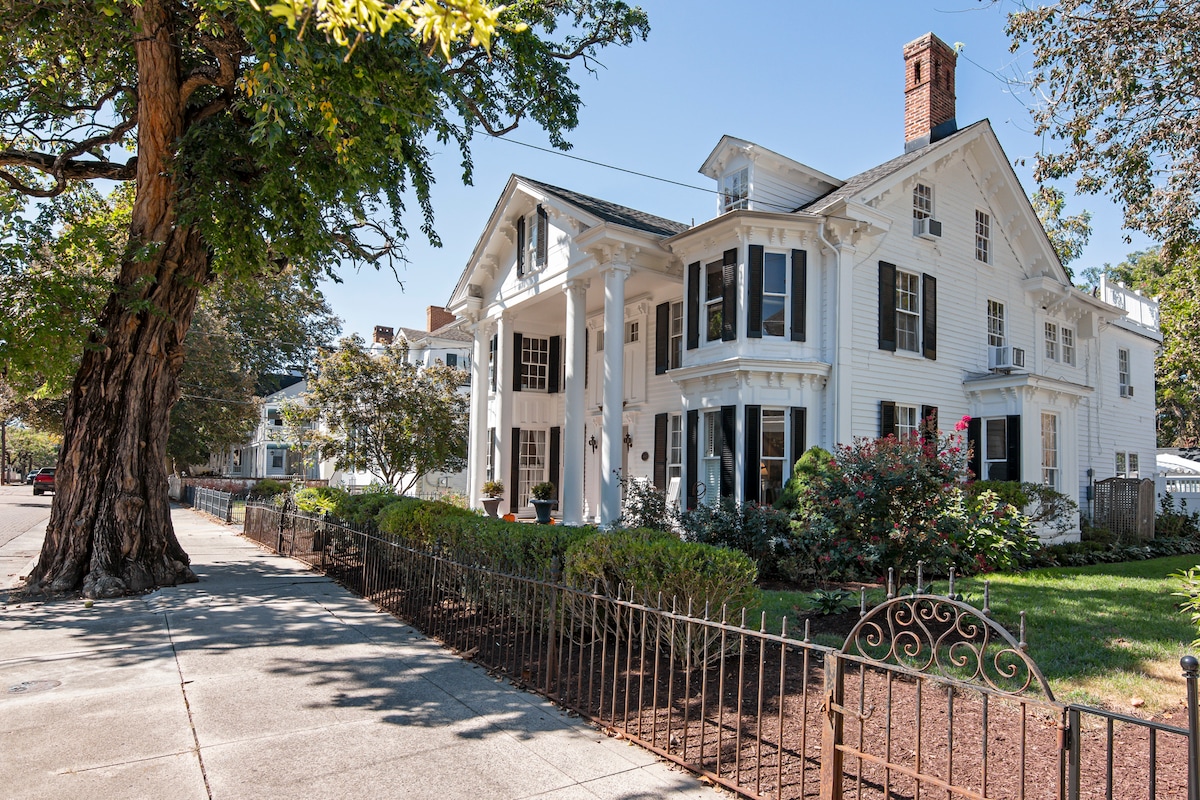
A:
(1102, 634)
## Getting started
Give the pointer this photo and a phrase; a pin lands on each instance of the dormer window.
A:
(735, 190)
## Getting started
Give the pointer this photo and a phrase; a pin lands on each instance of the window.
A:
(236, 460)
(907, 421)
(711, 458)
(1123, 373)
(676, 342)
(632, 332)
(772, 464)
(908, 312)
(277, 461)
(774, 302)
(1050, 450)
(531, 247)
(452, 360)
(1051, 342)
(995, 320)
(675, 446)
(490, 456)
(531, 464)
(535, 363)
(1127, 465)
(735, 190)
(995, 450)
(714, 301)
(922, 201)
(1068, 346)
(983, 237)
(492, 364)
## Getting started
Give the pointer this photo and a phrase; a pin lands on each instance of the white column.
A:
(505, 401)
(571, 494)
(843, 360)
(478, 443)
(612, 447)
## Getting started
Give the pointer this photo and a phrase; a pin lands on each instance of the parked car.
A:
(29, 478)
(44, 481)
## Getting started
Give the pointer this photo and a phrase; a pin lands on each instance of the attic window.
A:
(735, 190)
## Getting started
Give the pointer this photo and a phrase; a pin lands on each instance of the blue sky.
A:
(819, 82)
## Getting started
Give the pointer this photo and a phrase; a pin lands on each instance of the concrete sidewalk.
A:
(266, 680)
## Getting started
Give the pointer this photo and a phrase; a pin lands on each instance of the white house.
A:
(809, 310)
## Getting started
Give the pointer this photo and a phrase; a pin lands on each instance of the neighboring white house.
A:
(810, 310)
(267, 453)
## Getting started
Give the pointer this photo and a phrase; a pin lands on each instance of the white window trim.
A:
(997, 328)
(1123, 382)
(983, 236)
(735, 190)
(901, 313)
(707, 304)
(1051, 438)
(787, 289)
(908, 421)
(675, 338)
(922, 201)
(535, 375)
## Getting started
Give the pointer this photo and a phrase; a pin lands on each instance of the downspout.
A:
(835, 395)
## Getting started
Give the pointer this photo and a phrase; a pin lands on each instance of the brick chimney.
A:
(437, 317)
(382, 335)
(928, 91)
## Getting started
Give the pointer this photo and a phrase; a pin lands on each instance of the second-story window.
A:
(996, 331)
(774, 310)
(908, 311)
(676, 341)
(1051, 341)
(535, 363)
(1126, 389)
(714, 301)
(735, 190)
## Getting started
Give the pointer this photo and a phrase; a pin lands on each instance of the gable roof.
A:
(611, 212)
(865, 179)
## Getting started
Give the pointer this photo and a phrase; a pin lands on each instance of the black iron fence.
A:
(928, 694)
(227, 506)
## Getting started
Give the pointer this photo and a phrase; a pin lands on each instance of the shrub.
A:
(644, 506)
(363, 509)
(651, 565)
(1189, 590)
(1172, 522)
(269, 487)
(319, 499)
(814, 462)
(761, 532)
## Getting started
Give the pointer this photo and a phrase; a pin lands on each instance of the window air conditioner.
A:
(1005, 358)
(927, 228)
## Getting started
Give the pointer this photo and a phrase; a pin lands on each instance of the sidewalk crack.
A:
(188, 706)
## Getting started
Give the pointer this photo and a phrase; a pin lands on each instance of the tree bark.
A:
(110, 527)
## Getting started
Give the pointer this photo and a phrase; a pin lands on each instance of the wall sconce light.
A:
(628, 441)
(592, 442)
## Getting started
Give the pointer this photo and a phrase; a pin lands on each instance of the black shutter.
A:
(799, 435)
(554, 368)
(662, 338)
(516, 362)
(929, 422)
(542, 227)
(929, 316)
(690, 475)
(492, 360)
(1014, 447)
(754, 281)
(752, 491)
(729, 297)
(728, 439)
(555, 459)
(514, 471)
(799, 295)
(887, 306)
(887, 418)
(660, 452)
(693, 306)
(521, 247)
(975, 441)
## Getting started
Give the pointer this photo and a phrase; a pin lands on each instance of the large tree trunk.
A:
(110, 527)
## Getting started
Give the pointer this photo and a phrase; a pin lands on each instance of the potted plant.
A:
(542, 494)
(493, 493)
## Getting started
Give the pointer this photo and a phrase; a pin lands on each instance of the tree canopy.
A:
(382, 414)
(1118, 84)
(254, 145)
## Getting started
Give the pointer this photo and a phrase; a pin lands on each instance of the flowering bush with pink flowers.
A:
(892, 502)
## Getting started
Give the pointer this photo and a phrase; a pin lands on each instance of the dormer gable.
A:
(751, 177)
